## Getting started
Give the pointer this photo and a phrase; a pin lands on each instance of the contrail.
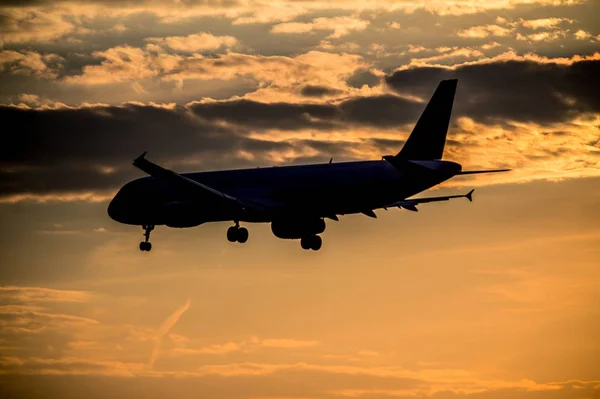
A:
(164, 328)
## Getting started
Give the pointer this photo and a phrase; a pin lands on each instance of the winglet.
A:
(140, 157)
(469, 195)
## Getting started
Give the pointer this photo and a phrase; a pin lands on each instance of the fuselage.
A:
(315, 190)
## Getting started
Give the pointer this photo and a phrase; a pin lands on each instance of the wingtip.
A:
(142, 156)
(469, 195)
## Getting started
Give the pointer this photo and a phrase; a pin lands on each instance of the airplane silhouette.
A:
(296, 200)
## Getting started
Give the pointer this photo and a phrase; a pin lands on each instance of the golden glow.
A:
(495, 298)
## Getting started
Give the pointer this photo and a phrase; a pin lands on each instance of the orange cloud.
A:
(33, 24)
(30, 63)
(484, 31)
(39, 294)
(126, 63)
(543, 36)
(195, 42)
(251, 345)
(286, 343)
(340, 26)
(544, 22)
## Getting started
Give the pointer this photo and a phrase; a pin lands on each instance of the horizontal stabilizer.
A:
(474, 172)
(411, 204)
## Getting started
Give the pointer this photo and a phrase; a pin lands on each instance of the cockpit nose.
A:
(116, 207)
(133, 204)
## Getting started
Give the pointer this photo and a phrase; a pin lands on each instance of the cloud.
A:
(73, 141)
(195, 42)
(545, 23)
(340, 26)
(30, 63)
(38, 294)
(125, 63)
(217, 349)
(250, 345)
(318, 91)
(505, 28)
(582, 35)
(484, 31)
(513, 88)
(24, 320)
(489, 46)
(451, 54)
(286, 343)
(85, 136)
(31, 24)
(543, 36)
(326, 380)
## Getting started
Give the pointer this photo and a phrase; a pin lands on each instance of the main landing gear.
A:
(237, 233)
(146, 245)
(311, 242)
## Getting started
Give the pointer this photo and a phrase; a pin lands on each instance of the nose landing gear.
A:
(237, 233)
(146, 245)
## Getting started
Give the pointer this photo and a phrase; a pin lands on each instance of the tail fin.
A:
(426, 142)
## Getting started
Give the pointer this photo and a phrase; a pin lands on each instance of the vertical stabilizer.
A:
(426, 142)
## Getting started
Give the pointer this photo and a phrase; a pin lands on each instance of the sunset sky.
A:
(498, 298)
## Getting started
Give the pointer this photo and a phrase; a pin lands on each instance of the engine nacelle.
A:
(297, 228)
(181, 214)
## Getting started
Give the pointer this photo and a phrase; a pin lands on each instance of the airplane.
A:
(296, 199)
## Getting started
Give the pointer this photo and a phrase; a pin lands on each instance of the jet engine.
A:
(297, 227)
(181, 214)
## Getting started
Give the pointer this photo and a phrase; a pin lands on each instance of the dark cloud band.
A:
(88, 148)
(523, 91)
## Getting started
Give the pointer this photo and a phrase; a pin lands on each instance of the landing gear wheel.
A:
(237, 233)
(242, 235)
(305, 243)
(145, 246)
(316, 243)
(232, 234)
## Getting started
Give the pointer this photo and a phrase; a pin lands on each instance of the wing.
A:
(411, 204)
(192, 189)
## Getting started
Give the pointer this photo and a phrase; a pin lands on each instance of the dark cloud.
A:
(88, 148)
(524, 91)
(73, 149)
(384, 110)
(20, 3)
(89, 134)
(362, 77)
(274, 115)
(318, 91)
(375, 111)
